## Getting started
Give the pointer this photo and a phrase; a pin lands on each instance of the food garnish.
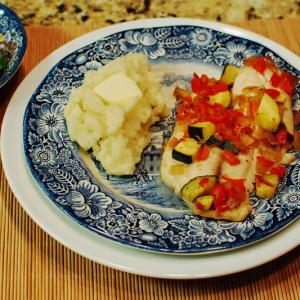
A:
(236, 136)
(7, 50)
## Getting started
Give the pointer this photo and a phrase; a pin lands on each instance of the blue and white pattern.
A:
(13, 31)
(140, 210)
(50, 121)
(201, 38)
(234, 53)
(86, 200)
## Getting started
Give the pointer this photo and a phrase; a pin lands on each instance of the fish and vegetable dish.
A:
(233, 135)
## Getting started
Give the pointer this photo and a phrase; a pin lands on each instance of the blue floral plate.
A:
(12, 31)
(139, 210)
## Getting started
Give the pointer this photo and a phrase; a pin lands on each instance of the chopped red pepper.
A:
(283, 137)
(219, 87)
(247, 130)
(261, 179)
(279, 170)
(260, 64)
(203, 152)
(236, 182)
(272, 93)
(198, 205)
(195, 83)
(287, 82)
(207, 86)
(181, 114)
(235, 114)
(218, 114)
(263, 164)
(236, 190)
(235, 197)
(275, 79)
(230, 158)
(204, 181)
(254, 105)
(219, 192)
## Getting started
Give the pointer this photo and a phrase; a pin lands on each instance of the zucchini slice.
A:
(268, 116)
(229, 74)
(185, 150)
(193, 189)
(266, 185)
(264, 190)
(226, 145)
(222, 98)
(204, 202)
(201, 130)
(212, 140)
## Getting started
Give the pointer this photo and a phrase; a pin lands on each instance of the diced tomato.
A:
(247, 130)
(198, 205)
(204, 181)
(235, 114)
(200, 85)
(219, 192)
(230, 158)
(272, 93)
(263, 164)
(218, 114)
(225, 132)
(241, 126)
(220, 206)
(204, 79)
(283, 137)
(287, 82)
(260, 179)
(275, 79)
(195, 83)
(235, 197)
(202, 109)
(182, 113)
(219, 87)
(188, 100)
(236, 190)
(279, 170)
(203, 152)
(207, 86)
(260, 64)
(254, 105)
(237, 182)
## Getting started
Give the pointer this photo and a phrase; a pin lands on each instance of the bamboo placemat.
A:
(34, 266)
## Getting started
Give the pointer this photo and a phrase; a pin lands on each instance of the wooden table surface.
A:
(35, 266)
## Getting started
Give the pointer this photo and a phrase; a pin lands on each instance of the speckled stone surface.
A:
(105, 12)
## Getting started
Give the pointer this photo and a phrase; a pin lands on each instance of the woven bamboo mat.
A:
(34, 266)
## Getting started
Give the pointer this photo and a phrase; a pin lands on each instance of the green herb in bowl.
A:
(7, 50)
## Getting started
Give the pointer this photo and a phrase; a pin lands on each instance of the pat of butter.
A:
(118, 89)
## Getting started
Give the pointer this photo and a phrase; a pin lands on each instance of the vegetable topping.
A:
(254, 119)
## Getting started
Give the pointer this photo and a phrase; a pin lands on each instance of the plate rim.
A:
(29, 79)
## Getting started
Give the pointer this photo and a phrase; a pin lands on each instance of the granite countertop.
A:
(105, 12)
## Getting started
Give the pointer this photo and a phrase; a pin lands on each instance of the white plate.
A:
(104, 251)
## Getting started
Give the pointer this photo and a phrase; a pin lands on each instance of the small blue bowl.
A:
(12, 30)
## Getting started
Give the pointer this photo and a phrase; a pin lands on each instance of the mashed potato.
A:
(117, 133)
